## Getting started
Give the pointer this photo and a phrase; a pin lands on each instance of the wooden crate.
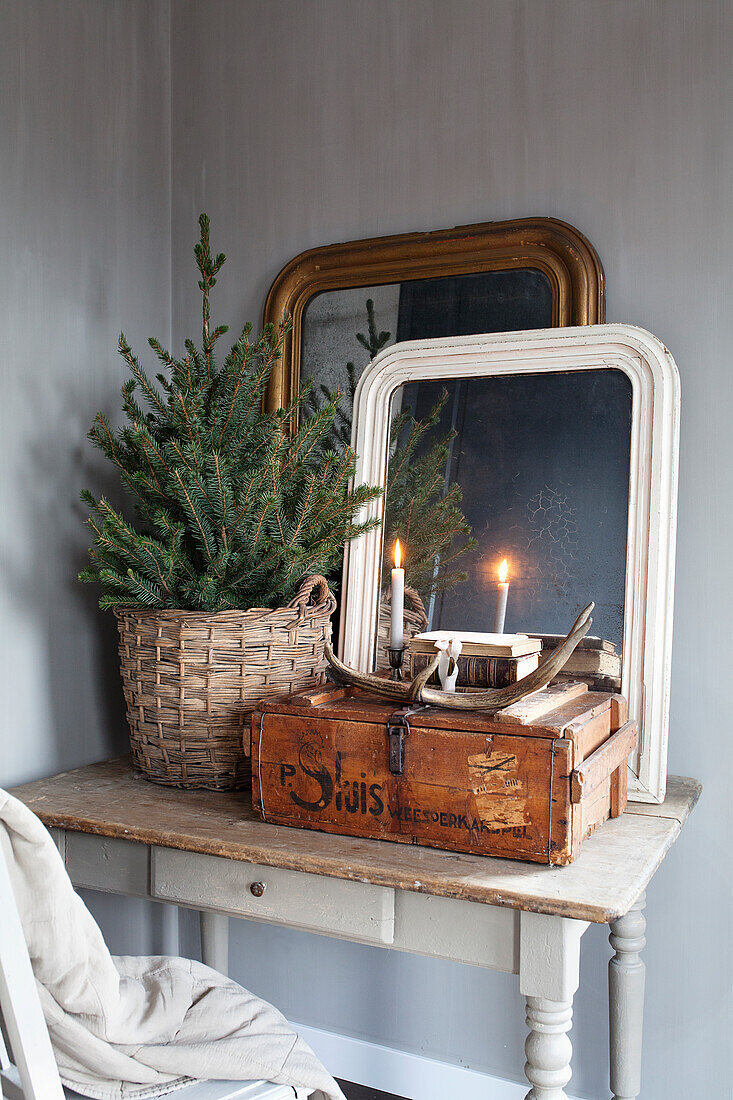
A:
(529, 782)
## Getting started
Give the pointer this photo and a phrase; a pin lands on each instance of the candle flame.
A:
(503, 571)
(397, 554)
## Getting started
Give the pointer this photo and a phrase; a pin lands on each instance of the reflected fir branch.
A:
(422, 506)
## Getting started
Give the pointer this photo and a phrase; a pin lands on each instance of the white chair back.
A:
(27, 1064)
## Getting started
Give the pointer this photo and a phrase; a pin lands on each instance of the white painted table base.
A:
(125, 836)
(549, 975)
(549, 954)
(626, 1001)
(544, 950)
(215, 941)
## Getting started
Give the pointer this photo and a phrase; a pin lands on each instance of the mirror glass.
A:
(531, 468)
(344, 329)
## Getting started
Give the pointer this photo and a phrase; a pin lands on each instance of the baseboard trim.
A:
(410, 1075)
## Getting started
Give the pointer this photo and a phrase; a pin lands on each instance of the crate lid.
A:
(560, 710)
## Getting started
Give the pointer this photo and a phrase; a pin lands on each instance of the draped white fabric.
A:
(126, 1027)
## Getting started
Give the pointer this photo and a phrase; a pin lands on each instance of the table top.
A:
(615, 864)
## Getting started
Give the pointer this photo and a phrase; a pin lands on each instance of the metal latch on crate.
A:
(398, 728)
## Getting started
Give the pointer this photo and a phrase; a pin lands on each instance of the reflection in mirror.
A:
(533, 469)
(344, 329)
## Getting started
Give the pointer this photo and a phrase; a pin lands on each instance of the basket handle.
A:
(314, 593)
(414, 598)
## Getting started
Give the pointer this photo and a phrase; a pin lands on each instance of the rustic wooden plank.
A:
(606, 759)
(562, 848)
(586, 736)
(459, 790)
(595, 808)
(614, 867)
(619, 712)
(620, 778)
(619, 789)
(315, 697)
(357, 706)
(540, 703)
(568, 719)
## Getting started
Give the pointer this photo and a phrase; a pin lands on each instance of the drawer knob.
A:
(257, 889)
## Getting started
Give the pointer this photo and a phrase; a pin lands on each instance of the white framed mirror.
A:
(563, 444)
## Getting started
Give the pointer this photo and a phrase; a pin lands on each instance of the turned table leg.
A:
(548, 1048)
(626, 1001)
(215, 941)
(549, 971)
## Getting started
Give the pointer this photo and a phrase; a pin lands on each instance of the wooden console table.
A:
(207, 851)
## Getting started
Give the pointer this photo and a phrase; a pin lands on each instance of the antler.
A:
(492, 699)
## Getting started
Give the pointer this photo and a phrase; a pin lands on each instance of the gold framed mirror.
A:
(491, 277)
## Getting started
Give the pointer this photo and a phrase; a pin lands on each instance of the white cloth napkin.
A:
(125, 1027)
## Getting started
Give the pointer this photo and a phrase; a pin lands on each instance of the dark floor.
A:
(361, 1092)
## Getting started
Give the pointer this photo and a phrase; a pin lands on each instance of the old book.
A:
(550, 641)
(477, 644)
(595, 661)
(481, 672)
(595, 681)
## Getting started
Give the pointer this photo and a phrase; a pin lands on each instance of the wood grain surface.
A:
(491, 784)
(614, 867)
(455, 793)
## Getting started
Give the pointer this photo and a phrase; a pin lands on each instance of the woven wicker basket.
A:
(416, 620)
(191, 681)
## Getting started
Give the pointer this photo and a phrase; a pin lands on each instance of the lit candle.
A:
(397, 633)
(502, 591)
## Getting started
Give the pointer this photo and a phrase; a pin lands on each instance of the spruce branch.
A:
(232, 508)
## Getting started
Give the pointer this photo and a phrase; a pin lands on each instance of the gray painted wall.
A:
(85, 252)
(334, 119)
(299, 123)
(85, 246)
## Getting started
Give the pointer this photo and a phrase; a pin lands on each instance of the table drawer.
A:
(105, 863)
(317, 903)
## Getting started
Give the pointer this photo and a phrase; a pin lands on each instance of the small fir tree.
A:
(233, 510)
(419, 508)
